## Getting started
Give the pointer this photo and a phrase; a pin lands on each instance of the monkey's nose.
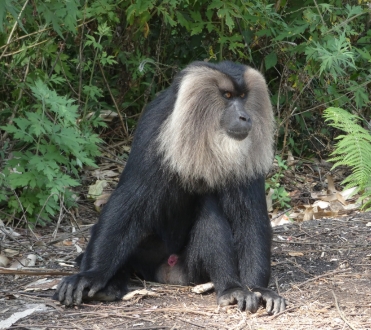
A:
(239, 129)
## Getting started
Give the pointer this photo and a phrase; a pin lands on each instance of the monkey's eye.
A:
(227, 95)
(242, 96)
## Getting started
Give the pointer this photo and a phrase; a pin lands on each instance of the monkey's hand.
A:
(245, 300)
(273, 302)
(70, 290)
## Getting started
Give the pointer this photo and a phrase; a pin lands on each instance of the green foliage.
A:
(280, 197)
(52, 150)
(59, 14)
(353, 149)
(335, 56)
(115, 56)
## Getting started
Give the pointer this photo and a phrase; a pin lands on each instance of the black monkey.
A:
(193, 188)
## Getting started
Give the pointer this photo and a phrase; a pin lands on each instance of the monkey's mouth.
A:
(238, 135)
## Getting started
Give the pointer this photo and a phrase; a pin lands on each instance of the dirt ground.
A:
(322, 268)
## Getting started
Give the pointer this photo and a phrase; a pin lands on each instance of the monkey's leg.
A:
(211, 254)
(113, 240)
(247, 210)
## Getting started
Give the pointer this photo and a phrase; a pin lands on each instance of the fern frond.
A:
(353, 149)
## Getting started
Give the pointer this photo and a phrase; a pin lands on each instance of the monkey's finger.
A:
(83, 283)
(283, 305)
(279, 306)
(269, 306)
(241, 302)
(68, 299)
(61, 289)
(252, 303)
(226, 300)
(258, 294)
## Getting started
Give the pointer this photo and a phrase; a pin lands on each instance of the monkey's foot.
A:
(274, 303)
(245, 300)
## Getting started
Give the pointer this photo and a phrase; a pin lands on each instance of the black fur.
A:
(220, 234)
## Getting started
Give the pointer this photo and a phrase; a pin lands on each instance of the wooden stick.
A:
(34, 271)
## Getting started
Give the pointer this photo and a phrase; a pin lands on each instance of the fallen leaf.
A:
(11, 253)
(201, 288)
(100, 201)
(142, 292)
(280, 221)
(321, 204)
(325, 214)
(99, 174)
(42, 284)
(269, 199)
(7, 323)
(308, 214)
(330, 184)
(29, 261)
(290, 158)
(348, 193)
(295, 254)
(4, 261)
(96, 189)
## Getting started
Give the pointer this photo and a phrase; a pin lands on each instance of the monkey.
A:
(190, 205)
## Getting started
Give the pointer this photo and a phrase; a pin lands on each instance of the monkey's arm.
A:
(253, 234)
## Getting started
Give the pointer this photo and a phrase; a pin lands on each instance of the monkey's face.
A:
(235, 120)
(220, 128)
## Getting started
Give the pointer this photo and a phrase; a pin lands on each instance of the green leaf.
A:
(9, 6)
(182, 20)
(224, 13)
(270, 60)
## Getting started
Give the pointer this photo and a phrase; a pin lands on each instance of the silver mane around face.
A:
(195, 146)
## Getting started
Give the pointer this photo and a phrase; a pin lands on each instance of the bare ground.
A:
(322, 268)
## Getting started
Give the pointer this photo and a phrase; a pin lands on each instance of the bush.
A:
(50, 150)
(110, 55)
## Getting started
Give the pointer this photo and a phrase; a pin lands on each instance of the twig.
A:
(113, 314)
(319, 13)
(285, 311)
(13, 29)
(158, 310)
(33, 271)
(323, 275)
(320, 243)
(150, 327)
(41, 31)
(114, 102)
(277, 286)
(63, 237)
(282, 213)
(61, 200)
(10, 120)
(61, 48)
(195, 324)
(340, 313)
(27, 248)
(25, 48)
(241, 324)
(40, 326)
(81, 58)
(298, 266)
